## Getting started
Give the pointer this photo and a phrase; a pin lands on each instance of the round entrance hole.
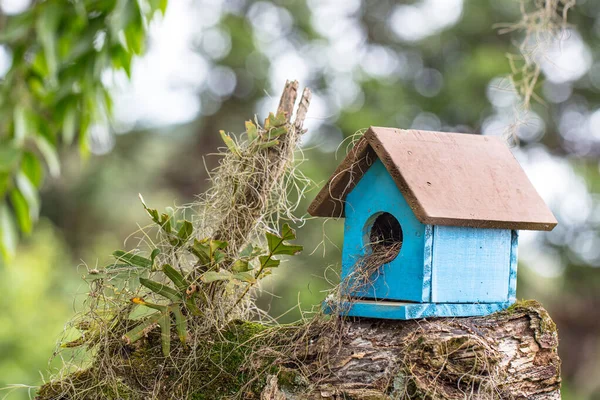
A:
(385, 237)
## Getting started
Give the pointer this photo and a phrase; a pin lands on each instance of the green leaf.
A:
(142, 329)
(213, 276)
(132, 259)
(69, 125)
(270, 143)
(165, 333)
(21, 210)
(202, 251)
(20, 121)
(8, 233)
(32, 168)
(17, 27)
(191, 306)
(277, 243)
(49, 153)
(161, 289)
(251, 131)
(165, 222)
(288, 233)
(153, 255)
(180, 324)
(142, 302)
(5, 182)
(47, 28)
(185, 231)
(268, 262)
(30, 193)
(276, 132)
(240, 266)
(245, 277)
(230, 143)
(9, 156)
(277, 120)
(176, 277)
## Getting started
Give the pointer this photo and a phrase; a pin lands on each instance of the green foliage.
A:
(258, 138)
(53, 91)
(215, 264)
(181, 300)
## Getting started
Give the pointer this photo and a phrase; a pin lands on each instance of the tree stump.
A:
(507, 355)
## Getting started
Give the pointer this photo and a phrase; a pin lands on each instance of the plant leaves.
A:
(268, 262)
(165, 333)
(142, 302)
(154, 254)
(32, 168)
(9, 156)
(213, 276)
(8, 233)
(180, 324)
(229, 142)
(276, 132)
(245, 277)
(20, 121)
(132, 259)
(251, 131)
(202, 251)
(277, 243)
(142, 329)
(69, 125)
(21, 210)
(176, 277)
(185, 231)
(161, 289)
(49, 153)
(30, 193)
(270, 143)
(240, 266)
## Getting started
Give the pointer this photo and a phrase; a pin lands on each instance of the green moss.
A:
(547, 325)
(94, 388)
(230, 369)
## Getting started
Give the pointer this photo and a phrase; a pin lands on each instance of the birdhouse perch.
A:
(446, 208)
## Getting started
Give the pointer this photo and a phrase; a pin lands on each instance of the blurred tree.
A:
(54, 91)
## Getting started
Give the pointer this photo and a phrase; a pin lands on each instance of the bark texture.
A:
(507, 355)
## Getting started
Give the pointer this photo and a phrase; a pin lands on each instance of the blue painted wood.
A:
(403, 278)
(470, 265)
(427, 262)
(512, 279)
(398, 310)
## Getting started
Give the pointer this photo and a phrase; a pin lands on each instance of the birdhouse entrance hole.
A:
(385, 237)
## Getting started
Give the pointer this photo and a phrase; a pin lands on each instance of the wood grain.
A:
(507, 355)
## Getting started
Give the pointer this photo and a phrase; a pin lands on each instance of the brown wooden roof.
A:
(446, 178)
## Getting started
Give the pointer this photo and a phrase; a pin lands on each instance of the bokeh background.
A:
(426, 64)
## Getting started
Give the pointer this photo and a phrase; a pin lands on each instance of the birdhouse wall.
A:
(408, 276)
(473, 265)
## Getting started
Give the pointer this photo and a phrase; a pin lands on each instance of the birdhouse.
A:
(443, 210)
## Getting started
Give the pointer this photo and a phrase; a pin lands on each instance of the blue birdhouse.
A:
(442, 211)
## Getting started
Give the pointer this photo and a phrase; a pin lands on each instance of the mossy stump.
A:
(508, 355)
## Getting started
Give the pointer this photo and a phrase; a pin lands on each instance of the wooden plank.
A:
(512, 279)
(470, 265)
(404, 311)
(447, 179)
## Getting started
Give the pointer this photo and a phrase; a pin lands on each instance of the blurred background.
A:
(212, 64)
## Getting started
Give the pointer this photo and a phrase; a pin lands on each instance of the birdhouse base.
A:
(401, 310)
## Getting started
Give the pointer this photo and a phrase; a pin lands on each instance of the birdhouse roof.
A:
(446, 178)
